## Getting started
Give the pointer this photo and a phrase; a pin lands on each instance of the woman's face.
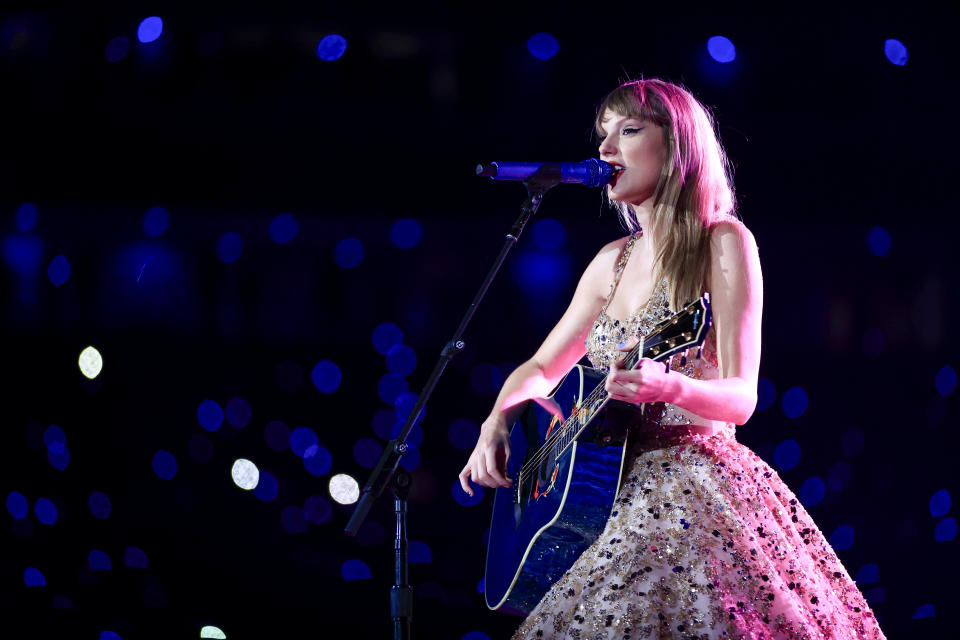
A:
(636, 146)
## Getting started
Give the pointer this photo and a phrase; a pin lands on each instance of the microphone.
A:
(590, 173)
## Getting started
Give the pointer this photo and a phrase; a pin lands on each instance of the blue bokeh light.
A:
(401, 360)
(924, 611)
(164, 465)
(946, 381)
(18, 505)
(98, 560)
(317, 460)
(794, 402)
(391, 386)
(812, 491)
(482, 586)
(26, 217)
(721, 49)
(787, 454)
(284, 228)
(110, 635)
(45, 510)
(842, 537)
(238, 412)
(301, 439)
(405, 404)
(464, 499)
(420, 553)
(355, 570)
(135, 558)
(543, 273)
(385, 336)
(58, 458)
(463, 433)
(895, 51)
(32, 577)
(414, 438)
(868, 574)
(411, 459)
(294, 519)
(24, 254)
(150, 29)
(839, 476)
(267, 488)
(940, 503)
(58, 271)
(406, 233)
(766, 394)
(946, 530)
(100, 505)
(277, 435)
(156, 221)
(383, 422)
(367, 451)
(210, 415)
(326, 377)
(117, 49)
(54, 438)
(319, 510)
(543, 45)
(230, 247)
(879, 241)
(331, 47)
(348, 253)
(549, 234)
(475, 635)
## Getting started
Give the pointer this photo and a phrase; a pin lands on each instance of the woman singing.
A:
(705, 540)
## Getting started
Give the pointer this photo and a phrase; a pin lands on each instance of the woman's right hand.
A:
(487, 465)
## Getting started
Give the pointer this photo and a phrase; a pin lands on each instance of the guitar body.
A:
(544, 522)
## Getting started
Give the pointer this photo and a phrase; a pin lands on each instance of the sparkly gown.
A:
(704, 540)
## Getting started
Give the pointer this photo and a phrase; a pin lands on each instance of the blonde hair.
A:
(695, 190)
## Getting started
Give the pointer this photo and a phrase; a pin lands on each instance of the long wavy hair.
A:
(695, 188)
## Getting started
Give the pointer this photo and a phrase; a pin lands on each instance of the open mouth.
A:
(617, 170)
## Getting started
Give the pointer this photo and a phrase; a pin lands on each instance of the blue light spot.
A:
(229, 247)
(787, 454)
(301, 439)
(401, 360)
(117, 49)
(486, 378)
(238, 412)
(868, 574)
(355, 570)
(294, 519)
(812, 491)
(895, 51)
(209, 415)
(45, 511)
(23, 253)
(317, 460)
(406, 233)
(331, 47)
(277, 435)
(543, 273)
(110, 635)
(420, 553)
(383, 422)
(33, 578)
(852, 442)
(319, 510)
(58, 271)
(268, 487)
(100, 505)
(99, 561)
(385, 336)
(156, 221)
(164, 465)
(463, 433)
(839, 476)
(149, 29)
(26, 217)
(58, 459)
(543, 45)
(54, 438)
(842, 537)
(367, 451)
(17, 505)
(940, 503)
(946, 381)
(465, 499)
(326, 377)
(135, 558)
(794, 402)
(415, 437)
(946, 530)
(721, 49)
(879, 241)
(475, 635)
(411, 459)
(348, 253)
(405, 404)
(549, 233)
(284, 228)
(766, 394)
(390, 386)
(924, 611)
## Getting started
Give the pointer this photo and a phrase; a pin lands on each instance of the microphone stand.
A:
(386, 474)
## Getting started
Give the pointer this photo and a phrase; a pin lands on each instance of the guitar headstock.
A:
(684, 330)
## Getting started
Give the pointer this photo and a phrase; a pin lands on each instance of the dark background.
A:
(230, 119)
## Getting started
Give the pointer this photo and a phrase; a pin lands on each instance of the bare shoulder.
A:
(730, 236)
(603, 265)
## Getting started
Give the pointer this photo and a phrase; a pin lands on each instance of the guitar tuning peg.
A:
(683, 360)
(666, 364)
(699, 351)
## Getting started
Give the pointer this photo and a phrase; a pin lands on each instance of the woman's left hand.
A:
(648, 382)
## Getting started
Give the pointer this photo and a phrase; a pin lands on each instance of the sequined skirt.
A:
(705, 541)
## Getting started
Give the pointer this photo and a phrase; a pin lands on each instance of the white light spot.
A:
(344, 489)
(245, 475)
(91, 362)
(211, 631)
